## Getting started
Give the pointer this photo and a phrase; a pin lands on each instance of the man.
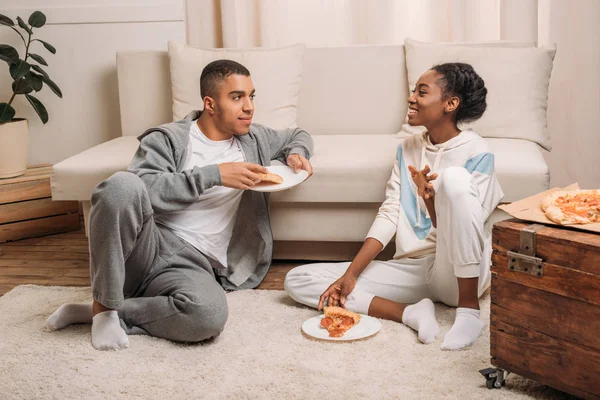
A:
(168, 235)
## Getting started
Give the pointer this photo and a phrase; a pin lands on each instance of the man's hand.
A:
(240, 175)
(299, 163)
(422, 180)
(338, 291)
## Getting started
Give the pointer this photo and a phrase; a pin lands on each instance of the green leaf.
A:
(39, 69)
(38, 107)
(35, 81)
(7, 113)
(8, 54)
(48, 46)
(4, 20)
(22, 86)
(52, 85)
(23, 25)
(38, 58)
(37, 19)
(19, 69)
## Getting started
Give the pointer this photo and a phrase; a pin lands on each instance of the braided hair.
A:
(461, 80)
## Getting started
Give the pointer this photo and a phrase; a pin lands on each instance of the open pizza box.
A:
(529, 209)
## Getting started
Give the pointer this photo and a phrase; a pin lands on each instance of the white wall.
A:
(87, 34)
(574, 98)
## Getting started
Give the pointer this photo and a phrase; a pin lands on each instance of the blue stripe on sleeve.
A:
(483, 163)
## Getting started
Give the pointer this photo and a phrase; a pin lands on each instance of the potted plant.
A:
(28, 76)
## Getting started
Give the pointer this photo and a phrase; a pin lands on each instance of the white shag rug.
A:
(262, 354)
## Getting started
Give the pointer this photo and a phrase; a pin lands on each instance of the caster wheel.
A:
(494, 378)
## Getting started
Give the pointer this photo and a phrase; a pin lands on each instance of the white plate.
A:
(366, 327)
(290, 179)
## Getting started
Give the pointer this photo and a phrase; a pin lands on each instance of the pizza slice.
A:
(572, 207)
(270, 177)
(338, 320)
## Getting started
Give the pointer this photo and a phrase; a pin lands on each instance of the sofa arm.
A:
(76, 177)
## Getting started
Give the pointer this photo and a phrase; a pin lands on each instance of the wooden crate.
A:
(27, 209)
(545, 318)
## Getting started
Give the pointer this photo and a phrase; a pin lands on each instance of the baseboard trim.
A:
(323, 251)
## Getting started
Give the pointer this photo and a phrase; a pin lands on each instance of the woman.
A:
(438, 215)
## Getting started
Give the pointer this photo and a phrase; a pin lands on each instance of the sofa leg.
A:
(86, 205)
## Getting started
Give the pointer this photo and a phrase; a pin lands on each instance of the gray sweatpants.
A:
(160, 284)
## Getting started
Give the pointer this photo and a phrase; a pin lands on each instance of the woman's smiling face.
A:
(426, 104)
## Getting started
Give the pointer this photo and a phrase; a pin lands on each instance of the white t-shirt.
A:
(208, 224)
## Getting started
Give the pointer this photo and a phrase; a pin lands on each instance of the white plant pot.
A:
(14, 148)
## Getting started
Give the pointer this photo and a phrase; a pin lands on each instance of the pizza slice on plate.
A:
(270, 177)
(338, 320)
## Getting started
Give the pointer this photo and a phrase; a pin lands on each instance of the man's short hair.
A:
(217, 71)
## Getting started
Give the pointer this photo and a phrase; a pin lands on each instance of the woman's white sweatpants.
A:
(463, 250)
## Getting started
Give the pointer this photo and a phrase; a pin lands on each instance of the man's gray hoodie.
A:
(159, 162)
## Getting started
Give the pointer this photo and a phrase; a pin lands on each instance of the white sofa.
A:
(352, 100)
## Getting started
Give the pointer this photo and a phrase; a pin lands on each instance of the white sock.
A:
(107, 333)
(465, 331)
(421, 317)
(70, 313)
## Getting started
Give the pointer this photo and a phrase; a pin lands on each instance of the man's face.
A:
(234, 105)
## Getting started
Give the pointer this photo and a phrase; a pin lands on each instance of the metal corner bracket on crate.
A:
(525, 259)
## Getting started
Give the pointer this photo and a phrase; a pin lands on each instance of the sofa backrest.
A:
(353, 90)
(344, 90)
(145, 97)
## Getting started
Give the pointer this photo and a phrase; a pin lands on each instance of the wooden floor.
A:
(63, 260)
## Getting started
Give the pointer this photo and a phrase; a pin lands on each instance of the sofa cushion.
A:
(520, 166)
(348, 169)
(341, 163)
(76, 177)
(517, 91)
(275, 73)
(356, 168)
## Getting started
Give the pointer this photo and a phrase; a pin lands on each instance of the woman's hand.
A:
(338, 291)
(422, 180)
